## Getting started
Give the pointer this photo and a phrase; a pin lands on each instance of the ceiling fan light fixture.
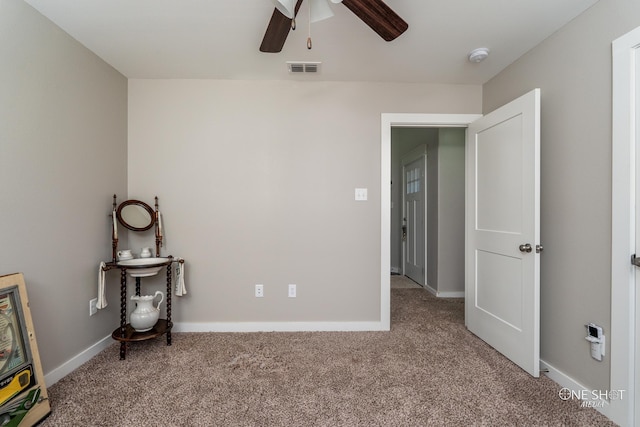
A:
(319, 10)
(479, 54)
(286, 7)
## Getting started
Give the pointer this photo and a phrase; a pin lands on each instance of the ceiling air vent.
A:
(303, 67)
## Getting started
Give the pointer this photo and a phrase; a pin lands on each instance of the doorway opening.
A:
(427, 207)
(502, 224)
(390, 121)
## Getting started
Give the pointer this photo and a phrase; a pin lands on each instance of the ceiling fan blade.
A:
(277, 31)
(377, 15)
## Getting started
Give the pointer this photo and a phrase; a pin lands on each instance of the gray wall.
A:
(256, 182)
(451, 203)
(573, 70)
(433, 218)
(63, 153)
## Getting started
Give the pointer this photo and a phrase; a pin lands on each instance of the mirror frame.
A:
(143, 205)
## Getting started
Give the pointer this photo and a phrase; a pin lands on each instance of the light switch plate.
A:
(361, 194)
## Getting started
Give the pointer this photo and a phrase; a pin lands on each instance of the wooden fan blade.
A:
(377, 15)
(277, 31)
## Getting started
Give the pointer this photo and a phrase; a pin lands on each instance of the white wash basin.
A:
(144, 267)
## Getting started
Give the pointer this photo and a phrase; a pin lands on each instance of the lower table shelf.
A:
(125, 332)
(130, 334)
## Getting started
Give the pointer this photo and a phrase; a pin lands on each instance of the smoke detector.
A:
(296, 67)
(479, 54)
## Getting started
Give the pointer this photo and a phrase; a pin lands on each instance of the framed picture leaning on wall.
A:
(23, 394)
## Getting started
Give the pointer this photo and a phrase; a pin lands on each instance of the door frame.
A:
(418, 153)
(625, 101)
(389, 120)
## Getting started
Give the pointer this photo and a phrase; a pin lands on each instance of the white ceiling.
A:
(219, 39)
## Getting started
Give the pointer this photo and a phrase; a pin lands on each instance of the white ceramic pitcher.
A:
(125, 254)
(145, 316)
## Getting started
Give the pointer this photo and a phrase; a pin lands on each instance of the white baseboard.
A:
(395, 270)
(450, 294)
(565, 381)
(444, 294)
(278, 327)
(69, 366)
(431, 290)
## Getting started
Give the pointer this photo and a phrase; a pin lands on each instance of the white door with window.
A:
(414, 215)
(502, 260)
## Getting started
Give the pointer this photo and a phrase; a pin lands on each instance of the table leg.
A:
(169, 303)
(137, 286)
(123, 312)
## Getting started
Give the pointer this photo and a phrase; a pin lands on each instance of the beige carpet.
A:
(427, 371)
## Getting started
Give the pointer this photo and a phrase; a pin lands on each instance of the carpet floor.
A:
(427, 371)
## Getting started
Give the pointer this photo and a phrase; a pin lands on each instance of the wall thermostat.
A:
(596, 338)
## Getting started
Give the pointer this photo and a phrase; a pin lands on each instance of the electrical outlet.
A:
(292, 291)
(259, 291)
(93, 306)
(361, 194)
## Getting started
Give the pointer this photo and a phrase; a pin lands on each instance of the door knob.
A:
(525, 248)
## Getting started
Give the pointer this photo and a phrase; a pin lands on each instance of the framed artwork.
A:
(23, 394)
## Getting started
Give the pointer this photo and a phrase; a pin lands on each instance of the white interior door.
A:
(414, 220)
(502, 277)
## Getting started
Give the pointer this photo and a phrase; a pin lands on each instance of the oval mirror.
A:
(135, 215)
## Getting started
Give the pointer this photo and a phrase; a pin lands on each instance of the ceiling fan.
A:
(375, 13)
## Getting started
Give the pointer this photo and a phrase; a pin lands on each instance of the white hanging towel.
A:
(102, 295)
(115, 225)
(181, 289)
(160, 231)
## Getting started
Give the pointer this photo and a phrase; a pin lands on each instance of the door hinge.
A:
(635, 261)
